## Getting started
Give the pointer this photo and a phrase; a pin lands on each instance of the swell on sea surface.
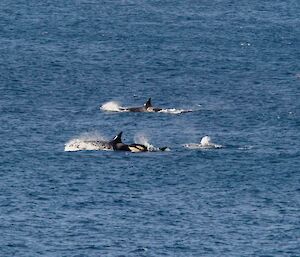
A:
(113, 106)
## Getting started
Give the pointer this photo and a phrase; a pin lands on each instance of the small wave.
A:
(112, 107)
(87, 142)
(205, 143)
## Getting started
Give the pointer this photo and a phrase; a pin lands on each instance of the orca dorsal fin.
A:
(118, 138)
(148, 103)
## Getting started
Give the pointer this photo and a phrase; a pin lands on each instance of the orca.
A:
(118, 145)
(103, 145)
(147, 107)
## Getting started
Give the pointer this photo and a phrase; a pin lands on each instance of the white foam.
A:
(174, 111)
(87, 141)
(111, 107)
(205, 143)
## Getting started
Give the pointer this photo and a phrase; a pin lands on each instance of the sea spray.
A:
(144, 140)
(205, 143)
(111, 107)
(87, 141)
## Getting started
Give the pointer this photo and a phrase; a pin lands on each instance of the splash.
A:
(143, 140)
(205, 143)
(111, 107)
(87, 142)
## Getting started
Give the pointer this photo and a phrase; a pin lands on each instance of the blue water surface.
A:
(235, 63)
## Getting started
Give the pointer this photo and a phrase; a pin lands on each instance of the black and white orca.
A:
(147, 107)
(101, 145)
(118, 145)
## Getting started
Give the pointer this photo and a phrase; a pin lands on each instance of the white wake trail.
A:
(175, 111)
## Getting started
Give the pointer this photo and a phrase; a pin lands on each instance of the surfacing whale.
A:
(118, 145)
(147, 107)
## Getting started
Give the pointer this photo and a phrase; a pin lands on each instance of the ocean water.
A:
(236, 64)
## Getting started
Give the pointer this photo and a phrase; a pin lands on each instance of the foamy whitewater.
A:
(113, 106)
(87, 142)
(205, 143)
